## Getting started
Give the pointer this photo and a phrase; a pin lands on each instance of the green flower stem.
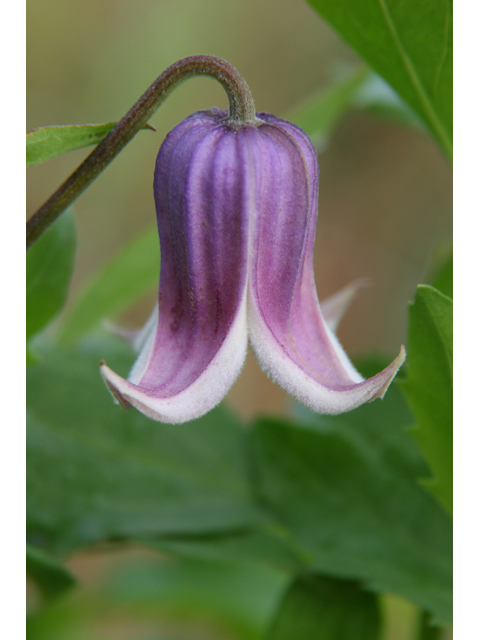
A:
(241, 112)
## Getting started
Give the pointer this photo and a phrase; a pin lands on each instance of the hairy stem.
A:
(241, 113)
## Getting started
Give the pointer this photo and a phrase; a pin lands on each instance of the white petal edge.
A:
(202, 395)
(288, 375)
(143, 345)
(143, 334)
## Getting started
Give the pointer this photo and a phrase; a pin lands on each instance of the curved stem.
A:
(241, 113)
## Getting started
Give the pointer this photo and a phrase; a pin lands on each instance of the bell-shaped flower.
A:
(236, 212)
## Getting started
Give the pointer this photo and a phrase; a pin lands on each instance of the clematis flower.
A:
(236, 212)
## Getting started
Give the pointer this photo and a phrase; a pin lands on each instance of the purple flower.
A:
(236, 212)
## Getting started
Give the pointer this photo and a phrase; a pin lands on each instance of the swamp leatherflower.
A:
(236, 211)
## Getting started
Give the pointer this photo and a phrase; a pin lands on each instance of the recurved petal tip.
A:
(386, 376)
(202, 387)
(317, 392)
(109, 378)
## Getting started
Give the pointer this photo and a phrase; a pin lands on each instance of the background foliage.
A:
(288, 525)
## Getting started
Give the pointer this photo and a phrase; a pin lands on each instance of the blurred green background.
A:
(385, 189)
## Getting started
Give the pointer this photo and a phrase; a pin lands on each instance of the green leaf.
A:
(129, 275)
(320, 113)
(242, 597)
(362, 89)
(409, 44)
(328, 609)
(184, 599)
(377, 97)
(49, 575)
(49, 267)
(273, 544)
(443, 280)
(429, 385)
(48, 142)
(427, 631)
(346, 488)
(262, 546)
(96, 472)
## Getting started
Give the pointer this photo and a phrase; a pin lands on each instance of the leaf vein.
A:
(414, 77)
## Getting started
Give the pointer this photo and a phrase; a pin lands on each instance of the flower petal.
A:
(292, 341)
(136, 338)
(198, 346)
(142, 336)
(334, 307)
(204, 392)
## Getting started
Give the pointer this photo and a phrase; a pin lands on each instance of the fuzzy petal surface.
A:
(197, 346)
(289, 335)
